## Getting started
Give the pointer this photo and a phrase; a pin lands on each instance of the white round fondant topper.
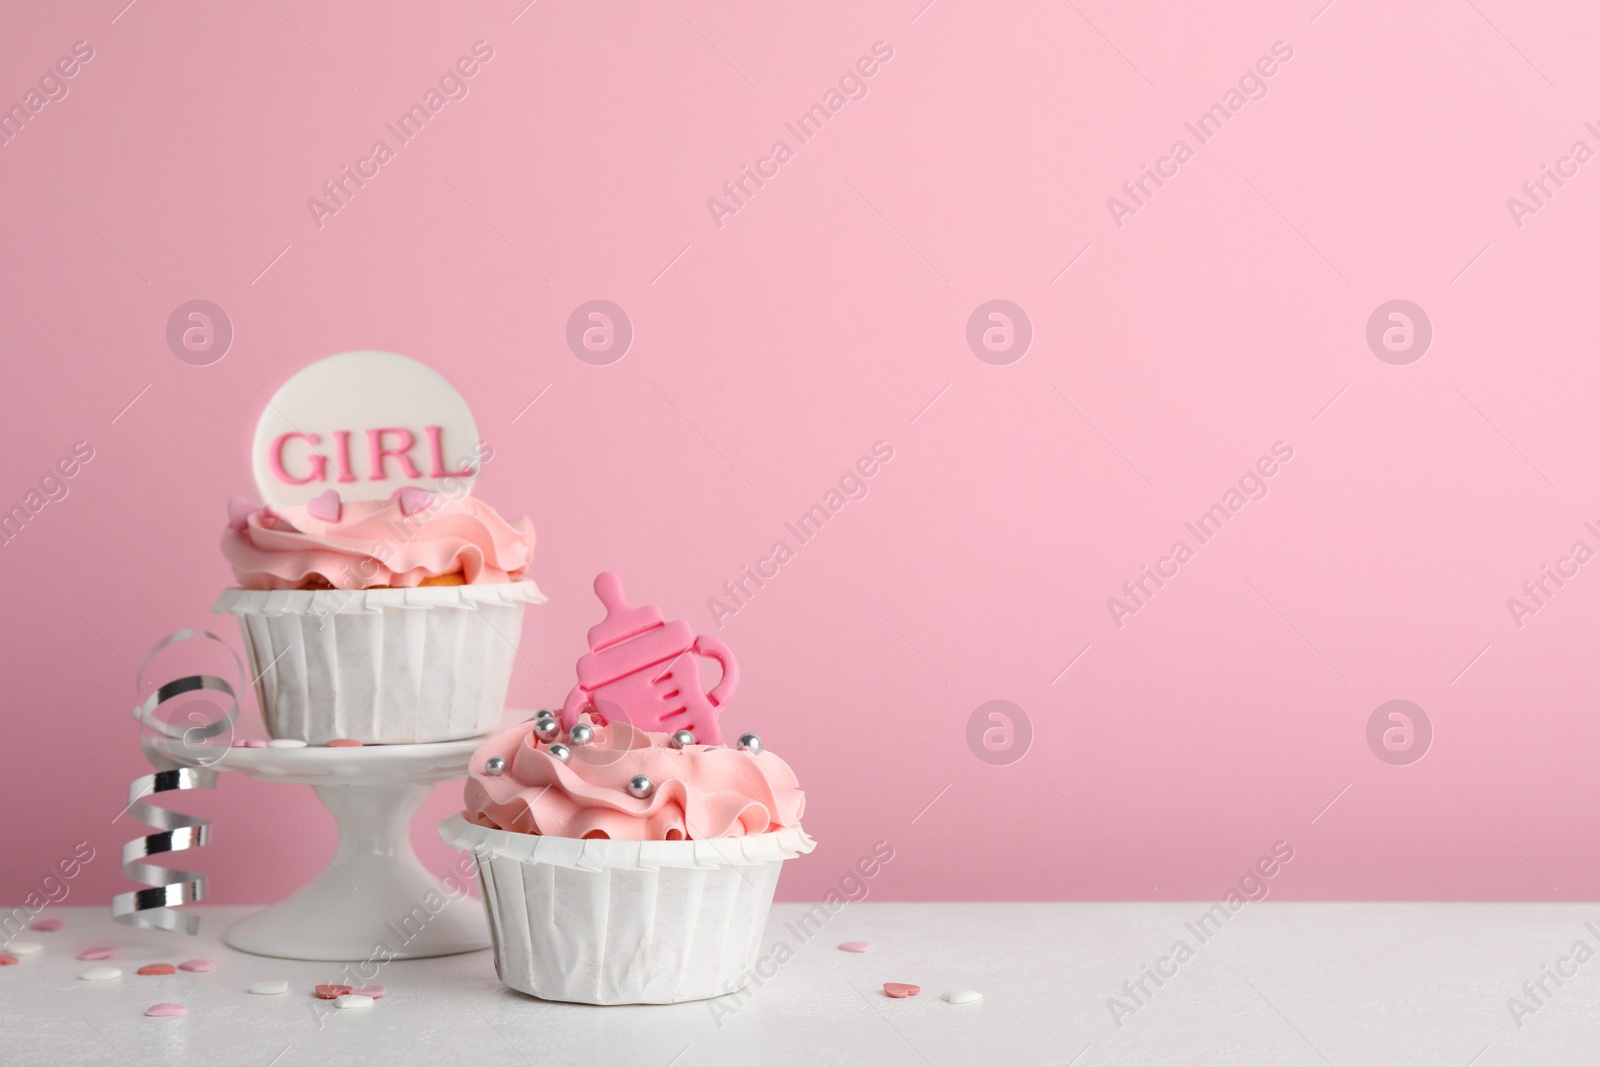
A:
(365, 424)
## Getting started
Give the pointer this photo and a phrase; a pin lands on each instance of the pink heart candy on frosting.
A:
(325, 507)
(166, 1011)
(240, 508)
(412, 499)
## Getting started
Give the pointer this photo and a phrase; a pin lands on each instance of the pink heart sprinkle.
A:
(412, 499)
(855, 946)
(46, 924)
(325, 507)
(240, 508)
(900, 990)
(373, 991)
(166, 1011)
(198, 966)
(96, 954)
(249, 742)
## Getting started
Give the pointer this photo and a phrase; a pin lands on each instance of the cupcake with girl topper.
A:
(628, 854)
(378, 600)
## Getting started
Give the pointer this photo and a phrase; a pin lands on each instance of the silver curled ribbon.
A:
(171, 887)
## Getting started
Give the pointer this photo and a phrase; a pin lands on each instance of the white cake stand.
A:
(374, 892)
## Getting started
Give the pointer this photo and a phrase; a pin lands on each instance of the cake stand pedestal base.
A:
(375, 900)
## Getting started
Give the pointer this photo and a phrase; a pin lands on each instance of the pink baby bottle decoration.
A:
(644, 669)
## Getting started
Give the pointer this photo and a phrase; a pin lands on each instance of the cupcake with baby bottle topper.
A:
(378, 600)
(627, 854)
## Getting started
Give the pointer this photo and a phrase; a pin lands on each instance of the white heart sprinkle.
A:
(23, 948)
(270, 989)
(285, 742)
(353, 1000)
(963, 996)
(101, 974)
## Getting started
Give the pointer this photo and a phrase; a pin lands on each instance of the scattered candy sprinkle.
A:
(157, 968)
(331, 992)
(46, 924)
(166, 1011)
(345, 742)
(900, 990)
(353, 1000)
(101, 974)
(270, 988)
(373, 991)
(285, 742)
(198, 966)
(92, 953)
(8, 961)
(24, 948)
(249, 742)
(963, 996)
(855, 946)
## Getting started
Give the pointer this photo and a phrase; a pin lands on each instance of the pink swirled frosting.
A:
(702, 792)
(375, 543)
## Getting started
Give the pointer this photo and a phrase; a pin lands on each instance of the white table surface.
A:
(1280, 984)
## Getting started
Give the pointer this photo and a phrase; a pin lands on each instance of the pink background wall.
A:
(1229, 312)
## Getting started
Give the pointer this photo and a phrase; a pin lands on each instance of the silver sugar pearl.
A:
(545, 713)
(640, 786)
(681, 739)
(546, 729)
(494, 765)
(750, 743)
(581, 734)
(560, 752)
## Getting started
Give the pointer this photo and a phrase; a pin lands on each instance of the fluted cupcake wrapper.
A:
(384, 666)
(626, 922)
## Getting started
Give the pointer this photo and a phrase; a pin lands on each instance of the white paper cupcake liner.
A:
(382, 666)
(625, 922)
